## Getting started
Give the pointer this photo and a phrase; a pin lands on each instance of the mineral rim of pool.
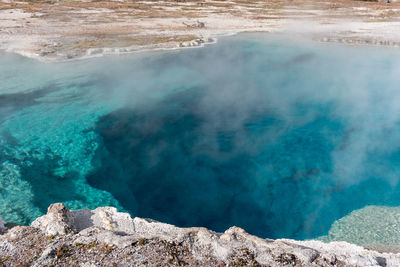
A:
(283, 137)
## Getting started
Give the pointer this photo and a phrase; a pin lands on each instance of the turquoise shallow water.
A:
(276, 135)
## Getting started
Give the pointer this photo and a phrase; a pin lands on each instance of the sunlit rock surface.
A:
(106, 237)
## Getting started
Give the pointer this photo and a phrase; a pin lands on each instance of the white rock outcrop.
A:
(58, 220)
(107, 225)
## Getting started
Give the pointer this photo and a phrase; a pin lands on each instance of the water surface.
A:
(276, 135)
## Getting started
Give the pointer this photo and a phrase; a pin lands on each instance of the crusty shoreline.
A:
(106, 237)
(65, 30)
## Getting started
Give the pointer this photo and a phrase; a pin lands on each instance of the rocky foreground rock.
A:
(106, 237)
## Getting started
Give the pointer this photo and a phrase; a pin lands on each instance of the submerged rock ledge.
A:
(106, 237)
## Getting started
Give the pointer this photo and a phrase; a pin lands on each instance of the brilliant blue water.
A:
(279, 136)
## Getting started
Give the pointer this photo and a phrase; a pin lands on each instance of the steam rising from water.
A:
(279, 136)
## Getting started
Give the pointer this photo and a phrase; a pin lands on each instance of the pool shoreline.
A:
(102, 235)
(33, 31)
